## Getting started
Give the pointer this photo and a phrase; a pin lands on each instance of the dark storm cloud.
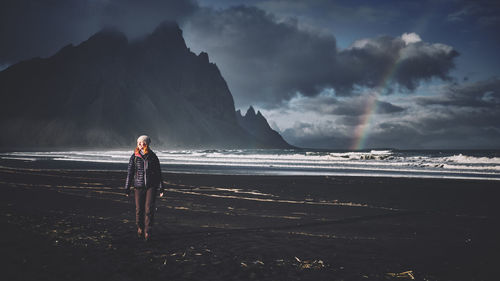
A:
(267, 61)
(33, 28)
(481, 94)
(462, 116)
(445, 128)
(459, 116)
(340, 11)
(469, 111)
(483, 13)
(139, 17)
(346, 106)
(405, 60)
(263, 60)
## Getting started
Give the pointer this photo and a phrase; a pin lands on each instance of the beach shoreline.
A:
(78, 224)
(464, 164)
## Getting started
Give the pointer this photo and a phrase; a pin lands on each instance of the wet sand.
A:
(79, 225)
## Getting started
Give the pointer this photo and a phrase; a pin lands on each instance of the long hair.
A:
(145, 150)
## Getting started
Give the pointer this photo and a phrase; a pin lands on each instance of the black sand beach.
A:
(79, 225)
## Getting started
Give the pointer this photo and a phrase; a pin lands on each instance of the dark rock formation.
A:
(257, 126)
(106, 91)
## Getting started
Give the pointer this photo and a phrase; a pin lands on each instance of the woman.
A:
(144, 173)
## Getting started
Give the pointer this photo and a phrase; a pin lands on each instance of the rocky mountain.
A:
(108, 90)
(257, 126)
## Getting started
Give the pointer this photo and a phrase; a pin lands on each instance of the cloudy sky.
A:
(326, 74)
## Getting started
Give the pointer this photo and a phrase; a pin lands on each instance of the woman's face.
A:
(141, 144)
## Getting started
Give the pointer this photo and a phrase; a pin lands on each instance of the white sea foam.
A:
(474, 160)
(373, 163)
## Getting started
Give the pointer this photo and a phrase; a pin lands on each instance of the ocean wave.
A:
(375, 162)
(473, 160)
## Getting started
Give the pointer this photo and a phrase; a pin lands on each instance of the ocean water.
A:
(481, 165)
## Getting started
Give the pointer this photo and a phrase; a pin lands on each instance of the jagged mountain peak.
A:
(204, 57)
(256, 124)
(104, 91)
(250, 112)
(168, 33)
(253, 115)
(168, 27)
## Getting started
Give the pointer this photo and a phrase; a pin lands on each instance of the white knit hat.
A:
(144, 138)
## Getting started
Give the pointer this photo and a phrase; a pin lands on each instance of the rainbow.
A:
(361, 131)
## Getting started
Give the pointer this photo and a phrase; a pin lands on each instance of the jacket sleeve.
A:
(160, 182)
(130, 173)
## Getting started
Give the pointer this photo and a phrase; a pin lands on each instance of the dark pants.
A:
(145, 208)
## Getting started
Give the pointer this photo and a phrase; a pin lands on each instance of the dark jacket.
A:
(144, 172)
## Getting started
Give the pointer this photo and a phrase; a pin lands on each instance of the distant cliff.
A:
(107, 90)
(257, 126)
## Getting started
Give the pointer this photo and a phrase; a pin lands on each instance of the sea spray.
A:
(483, 165)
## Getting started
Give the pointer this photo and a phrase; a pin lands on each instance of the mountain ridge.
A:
(107, 90)
(256, 124)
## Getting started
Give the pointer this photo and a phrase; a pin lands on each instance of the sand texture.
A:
(79, 225)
